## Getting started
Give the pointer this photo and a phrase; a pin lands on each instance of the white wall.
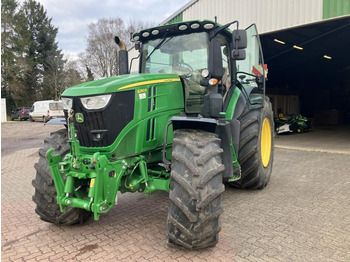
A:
(269, 15)
(3, 110)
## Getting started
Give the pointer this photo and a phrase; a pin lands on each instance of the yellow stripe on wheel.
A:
(266, 142)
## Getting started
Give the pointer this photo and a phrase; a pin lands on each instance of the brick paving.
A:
(302, 215)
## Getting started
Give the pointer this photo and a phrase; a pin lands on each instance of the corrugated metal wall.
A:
(334, 8)
(269, 15)
(176, 19)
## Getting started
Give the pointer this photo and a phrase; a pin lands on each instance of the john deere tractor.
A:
(193, 118)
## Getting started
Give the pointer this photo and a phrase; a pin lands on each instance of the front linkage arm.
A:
(91, 182)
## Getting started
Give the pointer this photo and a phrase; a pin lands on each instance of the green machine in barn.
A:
(193, 118)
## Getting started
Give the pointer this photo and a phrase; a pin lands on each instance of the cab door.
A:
(253, 64)
(251, 72)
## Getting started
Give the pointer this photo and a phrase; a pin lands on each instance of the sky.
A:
(72, 17)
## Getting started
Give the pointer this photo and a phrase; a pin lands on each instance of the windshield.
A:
(180, 55)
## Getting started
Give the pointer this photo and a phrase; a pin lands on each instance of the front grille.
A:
(101, 127)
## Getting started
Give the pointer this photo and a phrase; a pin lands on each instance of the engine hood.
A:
(118, 84)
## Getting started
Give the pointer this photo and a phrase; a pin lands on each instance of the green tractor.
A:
(193, 118)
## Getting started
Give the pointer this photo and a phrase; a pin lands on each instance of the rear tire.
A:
(195, 190)
(256, 147)
(45, 191)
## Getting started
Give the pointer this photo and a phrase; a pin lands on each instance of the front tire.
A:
(256, 148)
(195, 190)
(45, 192)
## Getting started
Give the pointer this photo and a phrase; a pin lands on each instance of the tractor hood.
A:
(118, 83)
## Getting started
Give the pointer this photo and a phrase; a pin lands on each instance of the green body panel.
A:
(132, 140)
(229, 115)
(114, 84)
(232, 104)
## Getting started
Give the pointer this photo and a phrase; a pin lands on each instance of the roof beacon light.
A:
(182, 27)
(155, 32)
(208, 26)
(195, 25)
(145, 34)
(298, 47)
(279, 41)
(327, 57)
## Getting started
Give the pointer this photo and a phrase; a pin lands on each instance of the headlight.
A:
(95, 102)
(67, 103)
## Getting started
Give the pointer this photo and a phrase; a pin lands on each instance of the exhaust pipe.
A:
(123, 56)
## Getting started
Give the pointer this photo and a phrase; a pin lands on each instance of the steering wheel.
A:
(183, 69)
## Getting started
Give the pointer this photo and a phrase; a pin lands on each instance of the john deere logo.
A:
(79, 117)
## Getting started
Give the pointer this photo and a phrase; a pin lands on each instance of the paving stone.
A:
(302, 215)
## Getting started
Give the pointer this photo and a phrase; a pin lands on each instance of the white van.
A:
(45, 110)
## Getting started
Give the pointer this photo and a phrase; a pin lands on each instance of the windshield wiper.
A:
(160, 43)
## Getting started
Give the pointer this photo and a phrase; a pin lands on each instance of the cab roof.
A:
(179, 28)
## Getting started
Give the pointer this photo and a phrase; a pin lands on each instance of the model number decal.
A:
(142, 90)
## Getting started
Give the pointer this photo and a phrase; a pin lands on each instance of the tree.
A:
(40, 49)
(9, 49)
(32, 66)
(72, 75)
(101, 54)
(54, 77)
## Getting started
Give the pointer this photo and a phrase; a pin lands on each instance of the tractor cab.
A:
(209, 59)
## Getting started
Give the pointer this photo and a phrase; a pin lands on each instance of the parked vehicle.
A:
(21, 113)
(45, 110)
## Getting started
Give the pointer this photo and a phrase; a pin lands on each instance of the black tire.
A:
(195, 190)
(45, 192)
(31, 119)
(255, 160)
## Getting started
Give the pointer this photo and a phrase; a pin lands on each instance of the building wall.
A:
(334, 8)
(269, 15)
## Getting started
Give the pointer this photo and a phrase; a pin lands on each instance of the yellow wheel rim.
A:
(266, 142)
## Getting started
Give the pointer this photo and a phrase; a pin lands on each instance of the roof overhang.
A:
(311, 50)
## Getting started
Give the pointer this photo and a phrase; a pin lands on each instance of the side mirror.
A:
(239, 40)
(238, 54)
(216, 69)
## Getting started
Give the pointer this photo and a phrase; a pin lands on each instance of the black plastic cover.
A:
(213, 104)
